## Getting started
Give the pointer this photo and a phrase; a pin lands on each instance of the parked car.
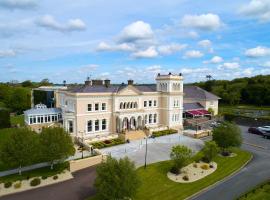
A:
(266, 134)
(255, 130)
(264, 128)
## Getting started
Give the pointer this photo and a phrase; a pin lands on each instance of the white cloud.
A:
(138, 30)
(194, 70)
(171, 48)
(214, 60)
(229, 65)
(193, 34)
(257, 9)
(193, 54)
(205, 43)
(88, 68)
(266, 64)
(48, 21)
(207, 22)
(248, 71)
(7, 53)
(150, 52)
(103, 46)
(154, 69)
(18, 4)
(258, 51)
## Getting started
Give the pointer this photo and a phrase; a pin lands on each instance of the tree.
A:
(4, 118)
(20, 149)
(116, 179)
(180, 155)
(27, 83)
(56, 144)
(227, 135)
(210, 151)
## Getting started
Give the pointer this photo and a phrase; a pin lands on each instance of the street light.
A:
(145, 158)
(82, 141)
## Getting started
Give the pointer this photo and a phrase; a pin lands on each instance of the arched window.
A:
(131, 105)
(135, 105)
(124, 107)
(128, 105)
(89, 126)
(121, 105)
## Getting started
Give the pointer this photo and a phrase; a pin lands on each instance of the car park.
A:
(255, 130)
(264, 128)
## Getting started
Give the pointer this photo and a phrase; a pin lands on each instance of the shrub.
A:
(164, 132)
(180, 155)
(198, 157)
(205, 167)
(185, 178)
(211, 166)
(7, 184)
(17, 185)
(225, 153)
(195, 165)
(175, 170)
(107, 143)
(44, 177)
(35, 182)
(55, 177)
(209, 151)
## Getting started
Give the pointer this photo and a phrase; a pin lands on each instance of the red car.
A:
(255, 130)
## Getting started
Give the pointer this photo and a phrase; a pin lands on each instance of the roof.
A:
(42, 111)
(194, 92)
(192, 106)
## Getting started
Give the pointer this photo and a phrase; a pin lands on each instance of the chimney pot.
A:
(130, 82)
(107, 82)
(170, 73)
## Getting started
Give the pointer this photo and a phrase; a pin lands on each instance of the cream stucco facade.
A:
(103, 109)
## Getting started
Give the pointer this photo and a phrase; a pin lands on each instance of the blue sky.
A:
(123, 39)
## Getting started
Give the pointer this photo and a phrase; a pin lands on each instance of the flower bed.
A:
(107, 143)
(164, 132)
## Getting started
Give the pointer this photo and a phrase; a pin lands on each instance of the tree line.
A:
(254, 90)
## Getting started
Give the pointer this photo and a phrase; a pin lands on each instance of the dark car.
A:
(255, 130)
(266, 134)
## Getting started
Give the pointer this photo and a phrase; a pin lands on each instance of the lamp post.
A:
(82, 141)
(145, 158)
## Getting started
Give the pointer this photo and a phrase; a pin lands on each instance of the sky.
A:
(126, 39)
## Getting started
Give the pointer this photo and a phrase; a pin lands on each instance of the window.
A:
(103, 106)
(155, 103)
(145, 103)
(96, 106)
(70, 126)
(150, 119)
(121, 105)
(104, 124)
(89, 126)
(49, 118)
(145, 119)
(89, 107)
(38, 119)
(97, 125)
(34, 120)
(150, 103)
(31, 120)
(155, 118)
(46, 119)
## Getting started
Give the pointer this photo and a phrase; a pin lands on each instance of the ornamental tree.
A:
(116, 179)
(210, 151)
(180, 155)
(56, 145)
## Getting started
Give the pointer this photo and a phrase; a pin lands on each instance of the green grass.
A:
(261, 192)
(156, 186)
(45, 171)
(18, 119)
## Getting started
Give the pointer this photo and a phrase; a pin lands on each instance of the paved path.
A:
(78, 188)
(254, 173)
(158, 149)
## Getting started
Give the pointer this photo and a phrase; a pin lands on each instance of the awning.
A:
(205, 112)
(198, 112)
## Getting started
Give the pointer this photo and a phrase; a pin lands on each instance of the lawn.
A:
(45, 171)
(261, 192)
(156, 186)
(18, 119)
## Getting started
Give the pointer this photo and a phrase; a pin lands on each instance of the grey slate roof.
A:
(42, 111)
(192, 106)
(194, 92)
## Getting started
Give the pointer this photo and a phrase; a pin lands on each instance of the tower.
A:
(171, 88)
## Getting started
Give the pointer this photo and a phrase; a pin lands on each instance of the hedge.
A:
(107, 143)
(164, 132)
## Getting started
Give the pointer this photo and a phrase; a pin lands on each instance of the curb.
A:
(220, 181)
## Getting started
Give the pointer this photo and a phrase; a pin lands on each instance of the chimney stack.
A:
(130, 82)
(107, 82)
(87, 82)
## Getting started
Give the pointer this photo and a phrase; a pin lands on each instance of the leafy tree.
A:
(210, 151)
(180, 155)
(27, 83)
(20, 149)
(116, 179)
(227, 135)
(4, 118)
(56, 144)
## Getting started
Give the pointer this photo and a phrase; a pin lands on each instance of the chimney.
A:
(130, 82)
(64, 82)
(107, 82)
(158, 74)
(87, 82)
(170, 73)
(180, 74)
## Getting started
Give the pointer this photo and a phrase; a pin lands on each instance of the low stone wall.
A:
(76, 165)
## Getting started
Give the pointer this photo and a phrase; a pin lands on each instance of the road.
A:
(254, 173)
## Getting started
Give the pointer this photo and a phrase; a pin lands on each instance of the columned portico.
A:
(128, 122)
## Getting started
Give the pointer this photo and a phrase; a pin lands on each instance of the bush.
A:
(107, 143)
(205, 167)
(175, 170)
(35, 182)
(164, 132)
(195, 165)
(198, 157)
(211, 166)
(7, 184)
(225, 153)
(180, 155)
(185, 178)
(17, 185)
(210, 150)
(55, 177)
(44, 177)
